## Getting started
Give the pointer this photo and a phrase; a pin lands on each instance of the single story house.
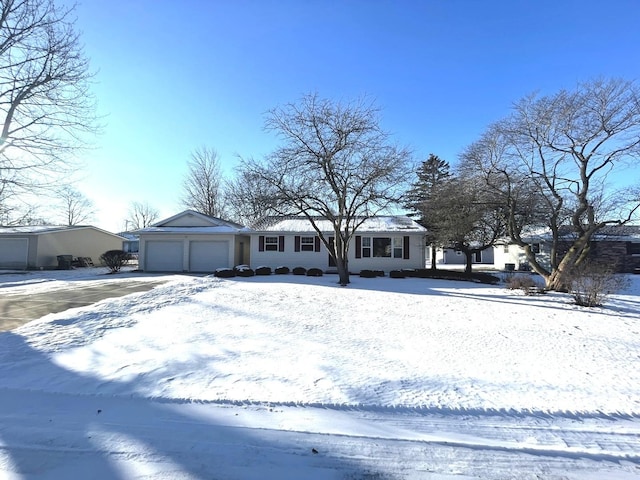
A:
(192, 242)
(616, 245)
(34, 247)
(381, 243)
(451, 256)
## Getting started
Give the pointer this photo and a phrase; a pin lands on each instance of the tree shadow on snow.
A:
(49, 434)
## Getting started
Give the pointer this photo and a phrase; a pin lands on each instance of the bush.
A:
(397, 274)
(526, 283)
(478, 277)
(225, 273)
(244, 271)
(114, 259)
(591, 283)
(299, 271)
(371, 273)
(263, 271)
(314, 272)
(282, 270)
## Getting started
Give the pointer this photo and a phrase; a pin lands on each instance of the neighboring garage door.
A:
(207, 256)
(13, 252)
(163, 256)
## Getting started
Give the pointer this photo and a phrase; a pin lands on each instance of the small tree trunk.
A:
(468, 261)
(433, 257)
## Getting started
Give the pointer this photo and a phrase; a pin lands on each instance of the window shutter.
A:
(261, 243)
(296, 246)
(281, 243)
(358, 246)
(405, 250)
(317, 244)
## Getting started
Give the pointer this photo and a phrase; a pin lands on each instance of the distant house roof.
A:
(44, 229)
(376, 224)
(609, 232)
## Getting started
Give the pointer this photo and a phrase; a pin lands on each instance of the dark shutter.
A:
(296, 244)
(405, 249)
(261, 243)
(358, 246)
(281, 243)
(316, 244)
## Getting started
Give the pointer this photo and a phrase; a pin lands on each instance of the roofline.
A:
(197, 214)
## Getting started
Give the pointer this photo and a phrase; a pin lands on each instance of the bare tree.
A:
(77, 208)
(552, 159)
(141, 215)
(203, 185)
(465, 216)
(45, 103)
(248, 198)
(336, 163)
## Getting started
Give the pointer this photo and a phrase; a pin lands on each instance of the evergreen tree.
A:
(433, 175)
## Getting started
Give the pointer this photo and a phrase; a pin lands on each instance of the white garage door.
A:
(13, 252)
(163, 256)
(207, 256)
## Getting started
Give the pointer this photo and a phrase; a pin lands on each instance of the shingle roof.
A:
(389, 223)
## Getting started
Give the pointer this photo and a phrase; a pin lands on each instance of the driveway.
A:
(16, 310)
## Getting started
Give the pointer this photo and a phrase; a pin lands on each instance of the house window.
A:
(477, 257)
(366, 247)
(307, 244)
(271, 244)
(505, 249)
(535, 247)
(381, 246)
(397, 247)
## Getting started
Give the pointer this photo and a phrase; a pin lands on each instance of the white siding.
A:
(290, 258)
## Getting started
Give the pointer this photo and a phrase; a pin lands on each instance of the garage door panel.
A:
(163, 256)
(13, 252)
(207, 256)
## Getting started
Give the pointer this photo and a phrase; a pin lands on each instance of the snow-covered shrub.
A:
(282, 270)
(591, 283)
(371, 273)
(225, 273)
(299, 271)
(114, 259)
(244, 271)
(314, 272)
(263, 270)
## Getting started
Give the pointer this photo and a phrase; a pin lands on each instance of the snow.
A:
(385, 379)
(377, 224)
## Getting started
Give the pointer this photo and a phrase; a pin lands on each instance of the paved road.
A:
(16, 310)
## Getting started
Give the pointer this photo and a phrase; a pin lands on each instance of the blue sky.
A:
(174, 76)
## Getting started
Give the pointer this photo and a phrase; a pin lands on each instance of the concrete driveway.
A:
(16, 310)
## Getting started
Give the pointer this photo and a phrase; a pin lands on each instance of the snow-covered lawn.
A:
(384, 379)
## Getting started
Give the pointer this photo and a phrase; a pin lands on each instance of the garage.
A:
(164, 256)
(14, 252)
(192, 242)
(207, 256)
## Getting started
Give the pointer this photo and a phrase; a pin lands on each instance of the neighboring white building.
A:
(381, 243)
(32, 247)
(192, 242)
